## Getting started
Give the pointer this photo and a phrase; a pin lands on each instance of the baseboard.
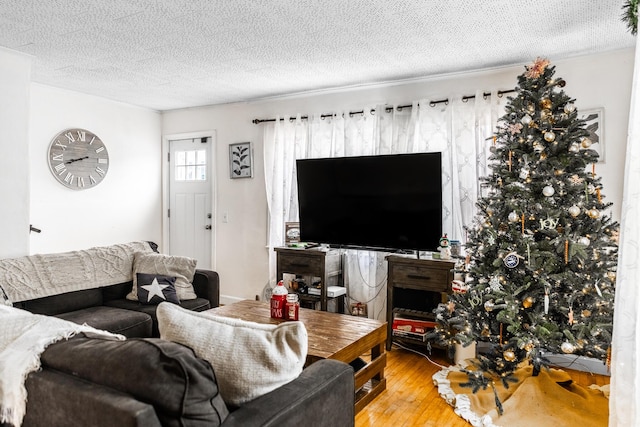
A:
(228, 299)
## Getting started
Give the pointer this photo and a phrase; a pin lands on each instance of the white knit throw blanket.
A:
(23, 338)
(37, 276)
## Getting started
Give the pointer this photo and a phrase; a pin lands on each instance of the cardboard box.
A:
(414, 326)
(412, 335)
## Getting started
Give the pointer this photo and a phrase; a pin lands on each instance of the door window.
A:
(191, 165)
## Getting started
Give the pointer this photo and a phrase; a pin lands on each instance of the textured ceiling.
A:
(168, 54)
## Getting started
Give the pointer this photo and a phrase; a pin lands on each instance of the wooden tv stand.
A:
(415, 287)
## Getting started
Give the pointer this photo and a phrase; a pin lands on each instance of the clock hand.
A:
(75, 160)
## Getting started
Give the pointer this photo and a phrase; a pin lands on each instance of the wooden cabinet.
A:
(324, 264)
(415, 287)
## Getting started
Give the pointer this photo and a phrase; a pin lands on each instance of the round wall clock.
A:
(78, 159)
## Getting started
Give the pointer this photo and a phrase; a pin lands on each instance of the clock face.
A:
(78, 159)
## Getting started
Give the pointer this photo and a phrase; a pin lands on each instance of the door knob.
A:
(207, 227)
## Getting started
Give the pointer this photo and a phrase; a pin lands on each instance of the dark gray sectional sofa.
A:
(107, 308)
(145, 381)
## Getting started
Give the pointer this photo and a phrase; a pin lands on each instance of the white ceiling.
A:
(168, 54)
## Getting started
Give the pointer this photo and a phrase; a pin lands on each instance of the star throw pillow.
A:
(156, 288)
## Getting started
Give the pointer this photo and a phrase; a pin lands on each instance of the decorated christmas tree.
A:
(542, 252)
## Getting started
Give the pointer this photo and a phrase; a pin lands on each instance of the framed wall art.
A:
(595, 125)
(241, 160)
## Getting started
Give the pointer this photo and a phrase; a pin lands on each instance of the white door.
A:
(190, 210)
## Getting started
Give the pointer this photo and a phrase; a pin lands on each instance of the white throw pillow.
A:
(182, 268)
(249, 359)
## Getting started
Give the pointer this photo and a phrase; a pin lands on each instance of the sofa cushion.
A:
(118, 291)
(181, 387)
(152, 289)
(250, 359)
(62, 303)
(126, 322)
(182, 268)
(198, 304)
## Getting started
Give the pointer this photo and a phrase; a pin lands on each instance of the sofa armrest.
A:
(322, 396)
(57, 399)
(206, 284)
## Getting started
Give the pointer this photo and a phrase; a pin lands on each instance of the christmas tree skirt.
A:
(533, 401)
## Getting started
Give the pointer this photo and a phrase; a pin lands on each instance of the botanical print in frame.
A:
(594, 118)
(241, 160)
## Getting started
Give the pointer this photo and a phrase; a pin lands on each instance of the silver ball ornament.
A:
(526, 119)
(549, 136)
(513, 217)
(574, 148)
(584, 241)
(574, 211)
(567, 347)
(569, 108)
(488, 306)
(548, 191)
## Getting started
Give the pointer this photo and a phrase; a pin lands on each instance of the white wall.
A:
(595, 81)
(126, 205)
(15, 75)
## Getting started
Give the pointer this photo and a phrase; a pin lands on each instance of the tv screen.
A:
(389, 202)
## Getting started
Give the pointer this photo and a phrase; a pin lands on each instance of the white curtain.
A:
(460, 130)
(625, 362)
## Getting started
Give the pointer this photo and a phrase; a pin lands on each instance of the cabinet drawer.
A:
(299, 264)
(415, 277)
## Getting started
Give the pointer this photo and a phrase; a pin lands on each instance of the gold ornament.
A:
(545, 114)
(586, 313)
(528, 302)
(546, 103)
(489, 305)
(593, 213)
(509, 356)
(586, 143)
(485, 331)
(529, 346)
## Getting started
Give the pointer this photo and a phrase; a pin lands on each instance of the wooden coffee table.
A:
(332, 336)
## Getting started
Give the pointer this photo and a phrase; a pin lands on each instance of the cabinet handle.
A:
(415, 276)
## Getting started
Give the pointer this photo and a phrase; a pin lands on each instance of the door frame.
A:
(214, 184)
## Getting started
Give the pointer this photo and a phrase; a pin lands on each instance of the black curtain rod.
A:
(445, 101)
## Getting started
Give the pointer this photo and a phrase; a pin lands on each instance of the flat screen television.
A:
(388, 202)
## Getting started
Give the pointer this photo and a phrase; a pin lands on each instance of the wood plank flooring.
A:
(411, 399)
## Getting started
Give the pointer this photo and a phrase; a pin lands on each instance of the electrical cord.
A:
(419, 353)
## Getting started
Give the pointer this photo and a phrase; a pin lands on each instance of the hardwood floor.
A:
(411, 398)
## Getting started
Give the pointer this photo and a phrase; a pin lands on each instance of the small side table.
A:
(325, 264)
